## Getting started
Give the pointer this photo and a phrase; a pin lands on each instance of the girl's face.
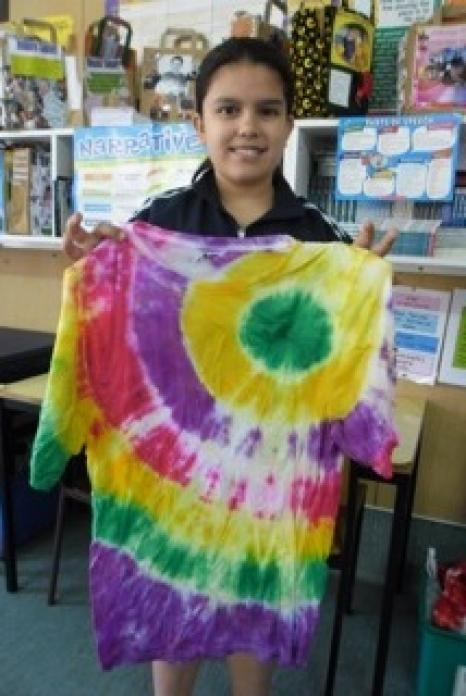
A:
(244, 124)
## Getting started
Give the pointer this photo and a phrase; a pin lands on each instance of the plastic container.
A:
(440, 653)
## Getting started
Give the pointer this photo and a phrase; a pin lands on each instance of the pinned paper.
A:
(399, 157)
(453, 367)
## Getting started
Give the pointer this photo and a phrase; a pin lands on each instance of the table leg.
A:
(344, 581)
(408, 517)
(390, 585)
(6, 462)
(359, 512)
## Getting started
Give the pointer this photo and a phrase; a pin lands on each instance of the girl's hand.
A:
(77, 242)
(366, 237)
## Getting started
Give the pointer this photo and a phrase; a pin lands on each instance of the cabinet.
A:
(59, 142)
(305, 137)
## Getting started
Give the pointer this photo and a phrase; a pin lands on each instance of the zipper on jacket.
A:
(241, 233)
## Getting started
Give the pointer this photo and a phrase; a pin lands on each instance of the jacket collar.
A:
(286, 205)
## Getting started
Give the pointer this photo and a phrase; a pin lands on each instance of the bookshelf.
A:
(306, 136)
(59, 144)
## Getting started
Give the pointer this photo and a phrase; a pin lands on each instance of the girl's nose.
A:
(248, 123)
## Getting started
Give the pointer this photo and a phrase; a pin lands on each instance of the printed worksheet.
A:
(420, 317)
(397, 158)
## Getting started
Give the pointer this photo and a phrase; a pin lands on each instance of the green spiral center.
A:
(287, 331)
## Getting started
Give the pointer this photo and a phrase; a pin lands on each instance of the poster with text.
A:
(420, 317)
(118, 168)
(397, 158)
(453, 366)
(401, 13)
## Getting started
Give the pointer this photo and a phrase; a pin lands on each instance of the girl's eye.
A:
(227, 109)
(269, 111)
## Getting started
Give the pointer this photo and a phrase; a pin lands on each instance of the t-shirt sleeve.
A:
(63, 418)
(368, 434)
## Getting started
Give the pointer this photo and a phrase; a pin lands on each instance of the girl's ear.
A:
(199, 126)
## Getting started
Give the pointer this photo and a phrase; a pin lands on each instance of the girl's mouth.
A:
(248, 151)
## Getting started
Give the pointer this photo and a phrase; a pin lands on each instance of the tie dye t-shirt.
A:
(216, 384)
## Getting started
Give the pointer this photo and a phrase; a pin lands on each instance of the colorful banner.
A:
(397, 158)
(118, 168)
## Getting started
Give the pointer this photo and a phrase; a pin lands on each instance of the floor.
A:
(49, 651)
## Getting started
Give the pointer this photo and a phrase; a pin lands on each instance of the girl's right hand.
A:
(77, 242)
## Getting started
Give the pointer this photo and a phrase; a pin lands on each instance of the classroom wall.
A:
(30, 288)
(212, 18)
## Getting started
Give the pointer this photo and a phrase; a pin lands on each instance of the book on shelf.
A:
(25, 190)
(2, 192)
(63, 196)
(41, 192)
(420, 224)
(19, 193)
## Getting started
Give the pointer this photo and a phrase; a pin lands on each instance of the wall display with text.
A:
(453, 366)
(420, 317)
(403, 13)
(117, 169)
(397, 158)
(436, 57)
(392, 20)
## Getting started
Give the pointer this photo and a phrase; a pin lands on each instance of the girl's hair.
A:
(238, 50)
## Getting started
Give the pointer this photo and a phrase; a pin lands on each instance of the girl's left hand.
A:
(366, 237)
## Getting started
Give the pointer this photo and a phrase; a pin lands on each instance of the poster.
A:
(453, 366)
(439, 70)
(352, 42)
(397, 158)
(117, 169)
(420, 317)
(384, 69)
(403, 13)
(392, 20)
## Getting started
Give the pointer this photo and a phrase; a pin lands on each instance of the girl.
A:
(244, 98)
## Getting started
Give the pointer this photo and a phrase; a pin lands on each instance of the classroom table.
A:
(24, 396)
(23, 353)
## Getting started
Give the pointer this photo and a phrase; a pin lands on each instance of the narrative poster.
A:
(420, 317)
(453, 366)
(118, 168)
(397, 158)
